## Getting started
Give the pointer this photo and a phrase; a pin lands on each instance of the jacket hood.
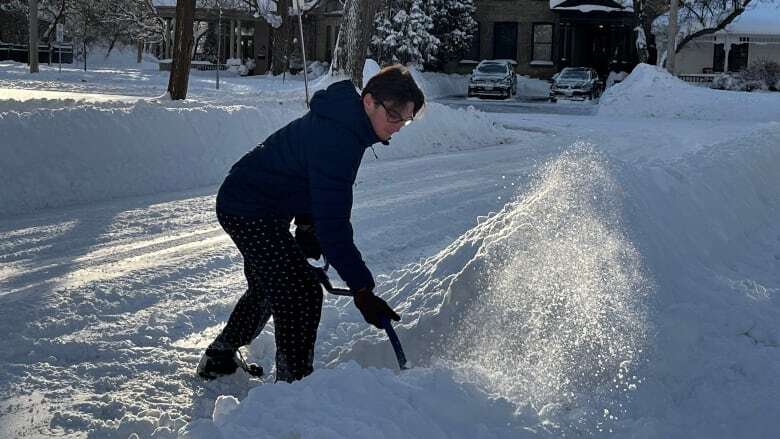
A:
(341, 103)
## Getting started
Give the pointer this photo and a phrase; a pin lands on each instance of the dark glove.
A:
(373, 308)
(307, 241)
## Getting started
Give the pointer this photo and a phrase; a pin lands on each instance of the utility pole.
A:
(298, 7)
(671, 51)
(33, 49)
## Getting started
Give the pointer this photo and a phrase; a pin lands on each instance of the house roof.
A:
(761, 19)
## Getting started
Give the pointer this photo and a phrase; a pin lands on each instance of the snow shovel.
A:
(322, 276)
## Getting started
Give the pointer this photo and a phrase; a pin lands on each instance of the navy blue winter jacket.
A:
(308, 168)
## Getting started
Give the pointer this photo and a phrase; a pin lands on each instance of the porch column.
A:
(726, 50)
(164, 43)
(238, 41)
(172, 28)
(566, 61)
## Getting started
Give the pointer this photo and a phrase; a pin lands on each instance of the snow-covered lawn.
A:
(615, 275)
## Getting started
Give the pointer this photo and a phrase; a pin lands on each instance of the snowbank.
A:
(57, 153)
(650, 91)
(542, 303)
(121, 56)
(609, 298)
(633, 299)
(421, 403)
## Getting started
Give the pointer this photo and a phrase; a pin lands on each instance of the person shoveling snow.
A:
(305, 171)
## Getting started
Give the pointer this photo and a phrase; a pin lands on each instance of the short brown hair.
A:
(395, 84)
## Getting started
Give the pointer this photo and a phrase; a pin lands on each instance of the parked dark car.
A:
(578, 83)
(493, 78)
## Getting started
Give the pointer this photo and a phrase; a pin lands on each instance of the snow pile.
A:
(72, 153)
(541, 303)
(352, 402)
(608, 298)
(533, 88)
(650, 91)
(438, 129)
(120, 56)
(438, 85)
(707, 225)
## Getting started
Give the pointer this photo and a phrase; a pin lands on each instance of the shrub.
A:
(760, 75)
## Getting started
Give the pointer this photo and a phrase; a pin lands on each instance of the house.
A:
(243, 35)
(541, 36)
(544, 36)
(753, 36)
(246, 35)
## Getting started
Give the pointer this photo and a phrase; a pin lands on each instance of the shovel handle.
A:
(322, 276)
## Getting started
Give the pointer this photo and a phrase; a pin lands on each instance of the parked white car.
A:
(493, 78)
(576, 83)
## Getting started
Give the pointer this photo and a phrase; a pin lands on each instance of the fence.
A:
(165, 65)
(701, 78)
(21, 53)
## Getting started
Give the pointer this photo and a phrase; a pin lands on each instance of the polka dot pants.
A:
(280, 284)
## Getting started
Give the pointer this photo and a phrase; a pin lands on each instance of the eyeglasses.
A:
(394, 117)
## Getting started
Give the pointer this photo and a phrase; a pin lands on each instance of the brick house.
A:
(543, 36)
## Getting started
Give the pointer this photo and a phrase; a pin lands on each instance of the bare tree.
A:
(182, 49)
(133, 20)
(702, 17)
(357, 26)
(281, 39)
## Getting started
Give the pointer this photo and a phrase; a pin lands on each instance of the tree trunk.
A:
(33, 49)
(357, 25)
(671, 50)
(140, 51)
(281, 39)
(112, 44)
(182, 49)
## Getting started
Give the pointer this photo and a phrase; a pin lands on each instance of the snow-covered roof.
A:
(592, 5)
(763, 19)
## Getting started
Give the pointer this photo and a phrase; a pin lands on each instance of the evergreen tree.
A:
(454, 26)
(403, 34)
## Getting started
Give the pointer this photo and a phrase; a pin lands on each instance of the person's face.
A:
(387, 118)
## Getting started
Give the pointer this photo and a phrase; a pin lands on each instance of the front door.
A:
(505, 40)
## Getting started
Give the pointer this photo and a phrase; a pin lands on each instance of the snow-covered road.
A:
(619, 274)
(103, 298)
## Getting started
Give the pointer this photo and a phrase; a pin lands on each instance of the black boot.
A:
(220, 362)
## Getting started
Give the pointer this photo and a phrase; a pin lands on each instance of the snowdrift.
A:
(93, 152)
(607, 299)
(650, 91)
(542, 303)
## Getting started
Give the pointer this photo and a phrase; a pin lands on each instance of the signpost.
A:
(297, 6)
(219, 40)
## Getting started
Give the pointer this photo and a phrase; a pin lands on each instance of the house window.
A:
(505, 40)
(542, 44)
(738, 57)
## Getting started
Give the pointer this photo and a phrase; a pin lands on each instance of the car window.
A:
(574, 74)
(491, 68)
